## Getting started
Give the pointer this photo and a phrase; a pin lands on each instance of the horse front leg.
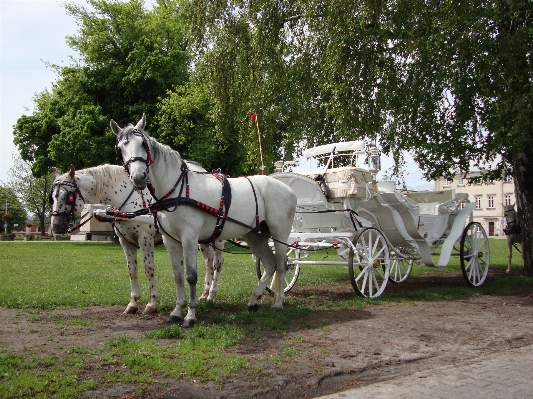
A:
(131, 261)
(146, 244)
(175, 252)
(191, 256)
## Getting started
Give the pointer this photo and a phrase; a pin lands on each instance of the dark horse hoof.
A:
(174, 319)
(253, 308)
(188, 324)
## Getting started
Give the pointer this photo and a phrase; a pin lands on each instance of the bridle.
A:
(513, 226)
(73, 191)
(124, 138)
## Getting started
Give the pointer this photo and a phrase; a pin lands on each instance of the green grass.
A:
(46, 275)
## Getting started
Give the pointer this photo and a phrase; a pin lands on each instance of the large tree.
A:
(449, 81)
(129, 57)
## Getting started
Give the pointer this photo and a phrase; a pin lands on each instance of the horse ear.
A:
(114, 127)
(72, 172)
(142, 123)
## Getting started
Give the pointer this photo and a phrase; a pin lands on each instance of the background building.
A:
(490, 199)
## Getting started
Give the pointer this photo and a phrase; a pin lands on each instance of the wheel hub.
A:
(376, 264)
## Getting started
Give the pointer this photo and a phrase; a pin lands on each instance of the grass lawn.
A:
(38, 275)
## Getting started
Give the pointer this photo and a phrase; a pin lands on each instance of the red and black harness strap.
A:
(170, 204)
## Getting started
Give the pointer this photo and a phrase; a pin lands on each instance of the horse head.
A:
(63, 198)
(510, 213)
(133, 150)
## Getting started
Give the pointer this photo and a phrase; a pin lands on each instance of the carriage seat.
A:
(344, 182)
(437, 202)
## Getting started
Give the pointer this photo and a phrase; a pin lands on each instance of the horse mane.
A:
(159, 150)
(102, 174)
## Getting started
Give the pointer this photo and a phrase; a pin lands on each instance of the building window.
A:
(491, 201)
(446, 183)
(478, 202)
(460, 182)
(509, 178)
(508, 199)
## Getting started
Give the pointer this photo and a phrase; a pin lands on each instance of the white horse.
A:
(193, 207)
(109, 185)
(512, 231)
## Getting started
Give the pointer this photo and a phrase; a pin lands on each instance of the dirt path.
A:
(345, 349)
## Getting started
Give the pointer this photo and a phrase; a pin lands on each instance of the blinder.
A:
(70, 199)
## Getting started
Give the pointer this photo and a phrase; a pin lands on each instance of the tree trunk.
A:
(523, 180)
(43, 225)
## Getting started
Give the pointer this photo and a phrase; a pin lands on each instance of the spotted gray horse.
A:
(110, 185)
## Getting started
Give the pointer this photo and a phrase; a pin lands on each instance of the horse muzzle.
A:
(139, 180)
(59, 228)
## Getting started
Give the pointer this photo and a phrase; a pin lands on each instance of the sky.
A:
(33, 33)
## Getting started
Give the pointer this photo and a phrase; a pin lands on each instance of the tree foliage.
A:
(10, 206)
(449, 81)
(129, 57)
(32, 192)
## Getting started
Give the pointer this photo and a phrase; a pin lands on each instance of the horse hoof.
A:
(149, 310)
(131, 310)
(253, 308)
(188, 323)
(173, 319)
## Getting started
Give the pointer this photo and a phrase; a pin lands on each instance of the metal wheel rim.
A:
(475, 254)
(400, 269)
(369, 264)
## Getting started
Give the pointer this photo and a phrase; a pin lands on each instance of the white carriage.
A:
(377, 231)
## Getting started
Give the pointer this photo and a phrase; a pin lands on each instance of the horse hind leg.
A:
(509, 254)
(218, 252)
(209, 258)
(259, 246)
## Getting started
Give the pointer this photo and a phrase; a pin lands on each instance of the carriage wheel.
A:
(475, 254)
(292, 270)
(369, 263)
(400, 269)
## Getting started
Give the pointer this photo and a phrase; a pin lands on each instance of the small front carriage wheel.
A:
(400, 269)
(292, 270)
(475, 254)
(369, 263)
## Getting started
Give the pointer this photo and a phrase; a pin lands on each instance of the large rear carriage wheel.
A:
(292, 270)
(369, 263)
(475, 254)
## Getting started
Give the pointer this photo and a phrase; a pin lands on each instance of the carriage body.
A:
(336, 205)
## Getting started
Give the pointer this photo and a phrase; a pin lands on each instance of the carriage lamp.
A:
(374, 160)
(374, 165)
